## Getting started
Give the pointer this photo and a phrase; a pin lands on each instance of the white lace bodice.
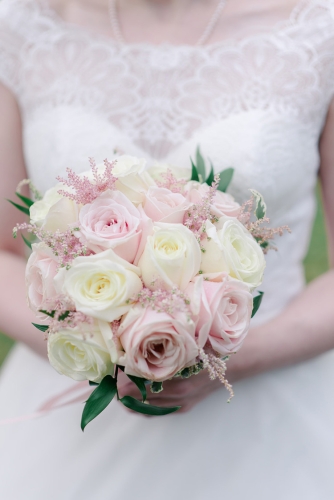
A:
(257, 104)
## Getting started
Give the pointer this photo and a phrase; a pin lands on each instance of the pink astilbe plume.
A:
(216, 368)
(168, 301)
(62, 313)
(65, 245)
(197, 215)
(171, 182)
(262, 234)
(246, 211)
(85, 191)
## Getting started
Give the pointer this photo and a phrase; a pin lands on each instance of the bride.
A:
(252, 83)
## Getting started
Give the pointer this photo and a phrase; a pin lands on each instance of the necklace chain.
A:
(115, 25)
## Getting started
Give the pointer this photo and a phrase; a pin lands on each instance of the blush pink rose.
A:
(223, 203)
(40, 272)
(111, 222)
(156, 344)
(223, 310)
(163, 205)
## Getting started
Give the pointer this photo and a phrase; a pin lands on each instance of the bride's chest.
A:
(258, 105)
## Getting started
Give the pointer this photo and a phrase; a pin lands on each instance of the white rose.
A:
(161, 168)
(126, 165)
(40, 209)
(81, 353)
(133, 180)
(54, 211)
(231, 248)
(171, 257)
(100, 285)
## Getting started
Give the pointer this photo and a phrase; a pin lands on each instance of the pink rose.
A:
(41, 268)
(223, 203)
(163, 205)
(111, 222)
(223, 310)
(156, 344)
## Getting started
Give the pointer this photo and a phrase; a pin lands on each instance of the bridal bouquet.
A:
(144, 271)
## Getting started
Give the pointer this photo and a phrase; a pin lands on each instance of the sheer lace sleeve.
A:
(11, 41)
(15, 33)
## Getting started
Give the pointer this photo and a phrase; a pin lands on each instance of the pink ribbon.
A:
(55, 403)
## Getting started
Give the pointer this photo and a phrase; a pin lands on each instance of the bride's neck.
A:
(178, 21)
(165, 10)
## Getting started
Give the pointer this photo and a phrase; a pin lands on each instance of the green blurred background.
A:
(316, 262)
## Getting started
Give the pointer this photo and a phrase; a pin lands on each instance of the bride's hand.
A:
(176, 392)
(188, 392)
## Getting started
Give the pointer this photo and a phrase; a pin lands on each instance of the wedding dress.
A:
(258, 104)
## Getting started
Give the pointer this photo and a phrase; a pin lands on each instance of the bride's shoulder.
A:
(17, 28)
(12, 14)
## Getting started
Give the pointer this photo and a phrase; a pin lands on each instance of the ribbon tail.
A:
(61, 400)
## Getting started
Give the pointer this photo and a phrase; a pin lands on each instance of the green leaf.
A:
(225, 179)
(156, 387)
(194, 173)
(51, 314)
(211, 176)
(260, 206)
(26, 201)
(93, 383)
(25, 210)
(200, 164)
(26, 241)
(140, 383)
(264, 244)
(42, 328)
(256, 303)
(63, 316)
(99, 400)
(146, 409)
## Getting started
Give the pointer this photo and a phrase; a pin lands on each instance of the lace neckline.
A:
(279, 28)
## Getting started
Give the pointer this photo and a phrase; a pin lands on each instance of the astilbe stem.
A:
(63, 314)
(171, 182)
(262, 234)
(217, 369)
(197, 216)
(168, 301)
(246, 210)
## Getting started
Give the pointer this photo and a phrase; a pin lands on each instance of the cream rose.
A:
(223, 310)
(54, 212)
(231, 248)
(171, 257)
(80, 353)
(100, 285)
(158, 169)
(133, 180)
(40, 209)
(40, 272)
(163, 205)
(156, 345)
(111, 221)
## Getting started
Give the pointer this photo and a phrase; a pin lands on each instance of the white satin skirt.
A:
(275, 441)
